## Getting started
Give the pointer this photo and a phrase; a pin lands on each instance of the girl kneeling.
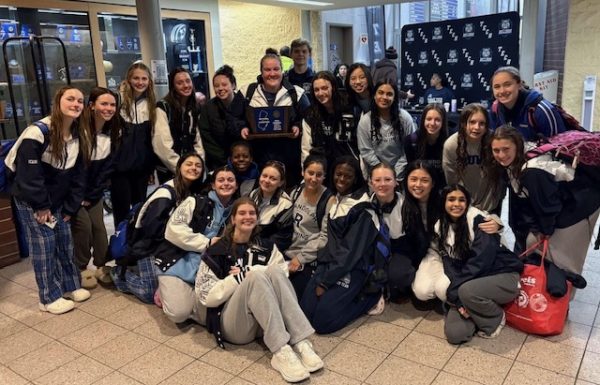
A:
(483, 273)
(243, 287)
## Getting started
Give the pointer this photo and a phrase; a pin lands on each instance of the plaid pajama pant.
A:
(139, 280)
(51, 252)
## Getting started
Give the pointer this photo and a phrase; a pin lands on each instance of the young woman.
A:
(89, 232)
(243, 291)
(329, 125)
(359, 86)
(427, 144)
(311, 202)
(382, 131)
(274, 205)
(222, 118)
(245, 169)
(340, 72)
(175, 132)
(48, 190)
(548, 198)
(483, 273)
(136, 273)
(134, 157)
(525, 109)
(337, 293)
(467, 159)
(272, 90)
(194, 225)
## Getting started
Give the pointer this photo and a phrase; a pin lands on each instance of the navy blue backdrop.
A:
(465, 51)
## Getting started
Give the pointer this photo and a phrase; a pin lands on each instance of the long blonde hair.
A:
(128, 97)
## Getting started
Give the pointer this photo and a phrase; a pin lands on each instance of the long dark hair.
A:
(462, 240)
(57, 143)
(422, 133)
(461, 149)
(508, 132)
(181, 190)
(359, 181)
(317, 112)
(352, 95)
(172, 98)
(412, 216)
(394, 111)
(112, 126)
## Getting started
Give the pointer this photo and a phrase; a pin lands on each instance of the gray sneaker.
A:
(286, 362)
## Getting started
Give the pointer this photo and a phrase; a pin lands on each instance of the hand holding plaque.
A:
(269, 122)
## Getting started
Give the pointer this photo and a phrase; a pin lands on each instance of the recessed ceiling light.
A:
(307, 2)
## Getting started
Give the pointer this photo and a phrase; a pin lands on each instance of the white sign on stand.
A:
(547, 83)
(159, 71)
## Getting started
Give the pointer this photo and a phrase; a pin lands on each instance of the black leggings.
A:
(127, 189)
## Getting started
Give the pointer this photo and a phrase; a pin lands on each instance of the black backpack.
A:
(321, 205)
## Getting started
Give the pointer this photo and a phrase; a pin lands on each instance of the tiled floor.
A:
(113, 339)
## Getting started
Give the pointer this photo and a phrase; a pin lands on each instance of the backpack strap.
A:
(292, 91)
(322, 206)
(531, 113)
(251, 90)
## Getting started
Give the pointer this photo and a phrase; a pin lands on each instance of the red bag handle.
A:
(544, 240)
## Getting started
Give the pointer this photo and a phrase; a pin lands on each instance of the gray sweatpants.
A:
(178, 299)
(265, 302)
(482, 297)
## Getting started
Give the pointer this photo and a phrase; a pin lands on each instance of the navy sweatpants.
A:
(341, 304)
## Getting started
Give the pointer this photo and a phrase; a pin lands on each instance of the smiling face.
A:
(104, 107)
(191, 169)
(323, 92)
(271, 74)
(314, 175)
(358, 82)
(455, 204)
(270, 180)
(300, 55)
(433, 123)
(506, 89)
(139, 81)
(223, 87)
(71, 103)
(183, 85)
(245, 218)
(476, 127)
(241, 159)
(224, 185)
(504, 151)
(420, 184)
(383, 182)
(384, 97)
(343, 178)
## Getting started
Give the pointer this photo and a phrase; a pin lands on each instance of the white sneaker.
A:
(496, 332)
(286, 362)
(311, 361)
(78, 295)
(378, 308)
(59, 306)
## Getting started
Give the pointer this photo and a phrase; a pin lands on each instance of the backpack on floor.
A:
(572, 146)
(6, 174)
(125, 233)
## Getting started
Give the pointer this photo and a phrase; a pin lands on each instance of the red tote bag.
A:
(535, 311)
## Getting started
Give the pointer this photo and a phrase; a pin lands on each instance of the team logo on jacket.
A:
(410, 36)
(485, 55)
(408, 80)
(437, 34)
(468, 31)
(466, 81)
(505, 27)
(452, 57)
(423, 59)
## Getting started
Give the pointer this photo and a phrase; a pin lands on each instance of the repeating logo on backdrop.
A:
(410, 36)
(423, 60)
(485, 55)
(468, 31)
(505, 27)
(452, 57)
(409, 80)
(437, 34)
(466, 81)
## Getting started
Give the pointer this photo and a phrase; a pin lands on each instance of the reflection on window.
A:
(443, 10)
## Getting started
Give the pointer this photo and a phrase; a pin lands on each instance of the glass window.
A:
(443, 10)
